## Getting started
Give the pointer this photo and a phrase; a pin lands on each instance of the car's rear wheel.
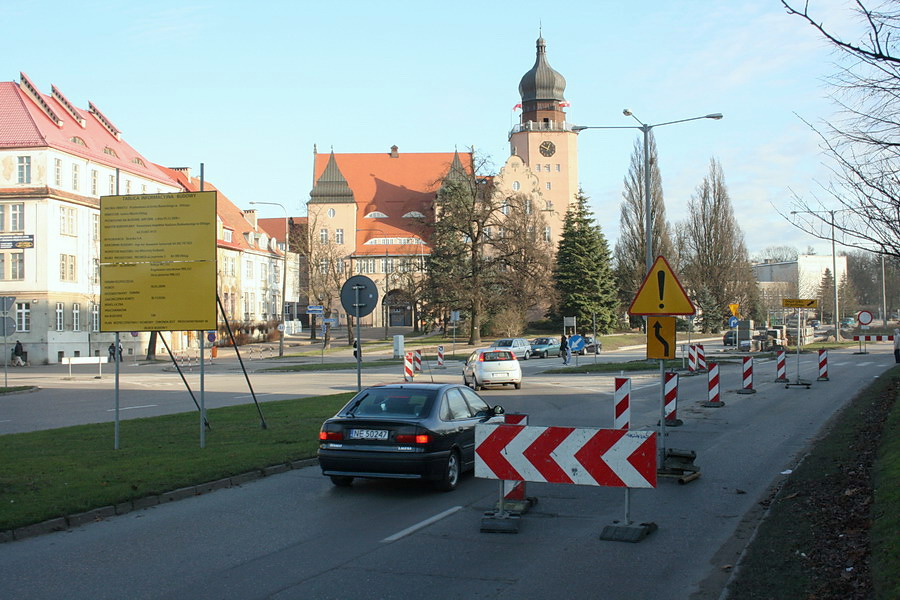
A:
(475, 385)
(518, 385)
(527, 355)
(341, 480)
(450, 478)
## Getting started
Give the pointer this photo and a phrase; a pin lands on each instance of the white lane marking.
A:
(257, 395)
(864, 364)
(132, 407)
(420, 525)
(6, 421)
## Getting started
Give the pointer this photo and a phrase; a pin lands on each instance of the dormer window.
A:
(77, 140)
(110, 151)
(137, 160)
(376, 214)
(413, 214)
(226, 235)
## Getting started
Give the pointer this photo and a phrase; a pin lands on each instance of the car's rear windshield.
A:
(497, 355)
(391, 402)
(503, 343)
(542, 341)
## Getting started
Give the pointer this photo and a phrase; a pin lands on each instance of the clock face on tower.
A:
(548, 148)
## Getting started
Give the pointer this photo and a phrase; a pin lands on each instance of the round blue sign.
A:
(576, 342)
(211, 336)
(733, 322)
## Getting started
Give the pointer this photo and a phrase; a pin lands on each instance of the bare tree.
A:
(631, 248)
(715, 264)
(328, 269)
(861, 205)
(777, 254)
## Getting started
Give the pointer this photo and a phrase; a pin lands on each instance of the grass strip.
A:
(57, 472)
(886, 510)
(815, 539)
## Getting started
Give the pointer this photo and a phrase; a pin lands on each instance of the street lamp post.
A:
(836, 317)
(283, 272)
(645, 129)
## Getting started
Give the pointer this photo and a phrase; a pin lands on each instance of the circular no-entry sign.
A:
(864, 317)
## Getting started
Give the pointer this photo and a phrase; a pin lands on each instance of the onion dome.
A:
(542, 82)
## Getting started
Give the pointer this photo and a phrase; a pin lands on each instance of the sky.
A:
(249, 90)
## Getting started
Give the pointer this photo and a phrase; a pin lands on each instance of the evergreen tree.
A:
(825, 294)
(583, 274)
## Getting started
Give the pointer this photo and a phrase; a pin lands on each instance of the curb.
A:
(104, 512)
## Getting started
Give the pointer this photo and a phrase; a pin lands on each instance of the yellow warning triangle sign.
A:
(661, 293)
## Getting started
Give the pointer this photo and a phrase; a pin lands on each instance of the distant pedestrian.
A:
(120, 351)
(112, 352)
(897, 345)
(564, 349)
(18, 353)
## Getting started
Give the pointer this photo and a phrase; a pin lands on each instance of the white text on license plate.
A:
(368, 434)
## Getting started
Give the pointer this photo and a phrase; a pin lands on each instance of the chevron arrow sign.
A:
(581, 456)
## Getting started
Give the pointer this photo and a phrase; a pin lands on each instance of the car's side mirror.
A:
(498, 410)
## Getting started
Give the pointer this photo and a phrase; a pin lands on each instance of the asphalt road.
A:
(294, 535)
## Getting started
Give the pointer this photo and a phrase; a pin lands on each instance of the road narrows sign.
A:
(661, 293)
(577, 455)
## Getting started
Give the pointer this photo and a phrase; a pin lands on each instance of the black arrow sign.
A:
(656, 328)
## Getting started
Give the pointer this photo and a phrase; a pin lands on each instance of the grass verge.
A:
(823, 536)
(66, 471)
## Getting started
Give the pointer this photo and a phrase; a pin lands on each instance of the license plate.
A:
(368, 434)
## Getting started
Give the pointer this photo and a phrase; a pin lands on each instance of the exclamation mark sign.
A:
(661, 279)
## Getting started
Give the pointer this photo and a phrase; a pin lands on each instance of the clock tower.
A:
(545, 141)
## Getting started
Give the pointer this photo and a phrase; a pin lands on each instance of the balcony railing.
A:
(542, 126)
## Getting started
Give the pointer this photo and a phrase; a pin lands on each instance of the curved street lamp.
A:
(283, 272)
(645, 128)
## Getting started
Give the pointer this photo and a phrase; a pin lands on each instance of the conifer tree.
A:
(583, 274)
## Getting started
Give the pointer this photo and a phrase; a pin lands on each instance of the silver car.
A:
(492, 366)
(519, 346)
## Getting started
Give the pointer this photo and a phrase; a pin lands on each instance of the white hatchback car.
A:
(492, 366)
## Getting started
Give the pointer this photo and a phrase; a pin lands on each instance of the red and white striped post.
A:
(622, 403)
(712, 378)
(823, 365)
(417, 361)
(692, 359)
(701, 358)
(671, 400)
(747, 380)
(514, 498)
(440, 357)
(781, 367)
(408, 374)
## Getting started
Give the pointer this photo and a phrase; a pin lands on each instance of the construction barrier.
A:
(514, 499)
(417, 361)
(712, 378)
(622, 403)
(701, 358)
(781, 367)
(408, 367)
(747, 379)
(823, 365)
(671, 400)
(440, 357)
(873, 338)
(692, 359)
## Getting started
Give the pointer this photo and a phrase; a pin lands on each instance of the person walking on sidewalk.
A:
(897, 345)
(564, 349)
(18, 353)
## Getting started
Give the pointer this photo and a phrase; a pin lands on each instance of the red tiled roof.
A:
(23, 124)
(394, 186)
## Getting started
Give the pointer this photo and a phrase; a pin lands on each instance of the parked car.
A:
(405, 431)
(519, 346)
(728, 338)
(492, 366)
(591, 346)
(544, 346)
(848, 322)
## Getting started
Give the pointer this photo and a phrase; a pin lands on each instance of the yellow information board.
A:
(799, 303)
(661, 337)
(158, 262)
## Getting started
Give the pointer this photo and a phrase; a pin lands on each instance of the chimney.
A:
(394, 153)
(250, 215)
(185, 170)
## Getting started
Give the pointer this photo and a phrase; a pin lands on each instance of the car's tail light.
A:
(331, 436)
(409, 438)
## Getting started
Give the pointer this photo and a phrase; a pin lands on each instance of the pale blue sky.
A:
(248, 88)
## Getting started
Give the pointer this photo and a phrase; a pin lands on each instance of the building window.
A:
(323, 265)
(516, 185)
(365, 265)
(338, 236)
(227, 235)
(95, 317)
(112, 185)
(17, 265)
(505, 208)
(323, 236)
(95, 227)
(93, 182)
(127, 186)
(264, 272)
(23, 316)
(547, 168)
(67, 220)
(276, 273)
(110, 151)
(557, 167)
(249, 268)
(95, 271)
(24, 169)
(387, 265)
(487, 233)
(546, 234)
(331, 213)
(339, 266)
(548, 185)
(76, 317)
(60, 320)
(537, 168)
(16, 217)
(75, 177)
(527, 206)
(67, 267)
(57, 171)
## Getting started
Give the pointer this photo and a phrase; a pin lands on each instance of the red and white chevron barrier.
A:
(417, 361)
(622, 403)
(701, 358)
(692, 359)
(408, 374)
(747, 379)
(514, 490)
(823, 365)
(873, 338)
(440, 357)
(671, 400)
(712, 378)
(781, 367)
(580, 456)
